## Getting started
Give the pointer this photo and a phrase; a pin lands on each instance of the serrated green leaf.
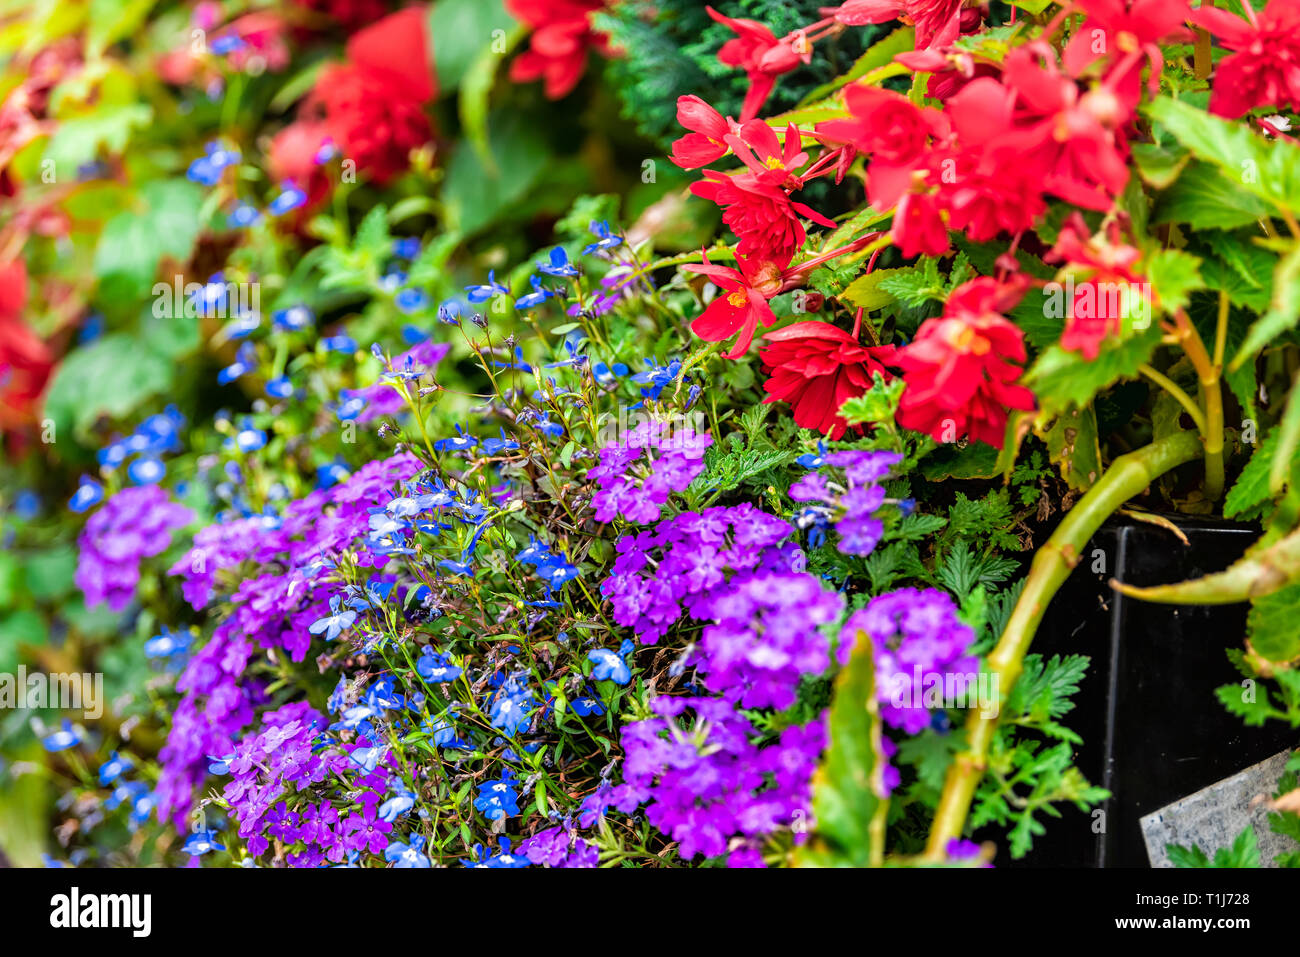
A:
(1060, 378)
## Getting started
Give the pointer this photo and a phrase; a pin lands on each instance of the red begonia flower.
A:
(930, 17)
(816, 367)
(707, 140)
(25, 360)
(1264, 70)
(1106, 289)
(764, 218)
(557, 49)
(741, 304)
(961, 368)
(762, 56)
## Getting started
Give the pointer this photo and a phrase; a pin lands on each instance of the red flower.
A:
(764, 218)
(816, 367)
(931, 17)
(961, 368)
(557, 50)
(707, 141)
(894, 130)
(756, 145)
(1075, 138)
(1133, 28)
(25, 361)
(919, 228)
(1265, 69)
(1109, 292)
(371, 107)
(762, 56)
(741, 305)
(984, 195)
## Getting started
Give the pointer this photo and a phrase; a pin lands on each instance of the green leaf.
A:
(1269, 170)
(878, 55)
(111, 377)
(1250, 491)
(1174, 276)
(1060, 378)
(475, 198)
(78, 139)
(865, 292)
(1283, 313)
(1204, 198)
(476, 93)
(1073, 446)
(848, 786)
(461, 31)
(166, 223)
(1271, 624)
(1159, 165)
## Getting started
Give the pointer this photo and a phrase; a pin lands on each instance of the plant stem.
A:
(1127, 476)
(1190, 407)
(1211, 395)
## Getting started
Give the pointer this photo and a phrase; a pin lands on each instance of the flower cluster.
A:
(707, 784)
(851, 505)
(961, 368)
(134, 524)
(638, 473)
(917, 639)
(680, 565)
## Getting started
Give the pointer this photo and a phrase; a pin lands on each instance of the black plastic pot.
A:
(1152, 729)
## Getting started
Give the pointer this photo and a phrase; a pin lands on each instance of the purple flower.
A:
(919, 646)
(134, 524)
(638, 473)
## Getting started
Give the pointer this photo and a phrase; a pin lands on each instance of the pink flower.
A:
(1265, 69)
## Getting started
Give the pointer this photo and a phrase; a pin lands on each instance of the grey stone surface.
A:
(1213, 817)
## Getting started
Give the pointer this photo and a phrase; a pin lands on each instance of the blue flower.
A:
(113, 768)
(88, 494)
(535, 298)
(290, 198)
(125, 792)
(609, 665)
(203, 171)
(280, 387)
(146, 471)
(227, 43)
(242, 216)
(220, 765)
(557, 572)
(559, 264)
(66, 737)
(200, 842)
(457, 568)
(406, 248)
(407, 855)
(605, 238)
(245, 361)
(587, 705)
(458, 443)
(502, 859)
(366, 758)
(436, 668)
(511, 706)
(397, 805)
(335, 623)
(489, 290)
(339, 344)
(293, 319)
(167, 643)
(247, 439)
(498, 799)
(241, 327)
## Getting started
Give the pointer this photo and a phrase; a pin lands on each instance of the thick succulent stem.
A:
(1127, 476)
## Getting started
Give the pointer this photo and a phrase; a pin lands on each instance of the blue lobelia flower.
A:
(113, 768)
(489, 290)
(88, 494)
(146, 471)
(436, 668)
(535, 298)
(605, 238)
(200, 842)
(66, 737)
(559, 264)
(290, 198)
(609, 665)
(408, 855)
(335, 623)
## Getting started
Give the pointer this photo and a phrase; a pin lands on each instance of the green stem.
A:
(1127, 476)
